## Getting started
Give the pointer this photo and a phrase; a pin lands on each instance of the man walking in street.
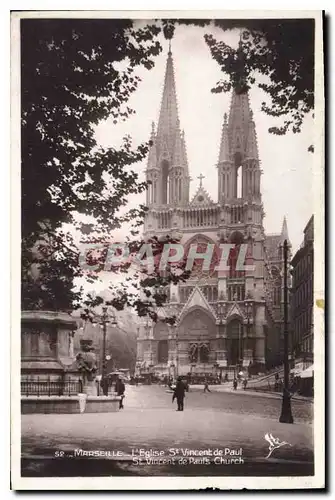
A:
(179, 394)
(206, 388)
(119, 389)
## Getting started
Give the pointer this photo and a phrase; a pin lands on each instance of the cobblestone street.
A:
(222, 398)
(149, 421)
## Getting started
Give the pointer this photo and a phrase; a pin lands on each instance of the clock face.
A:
(200, 198)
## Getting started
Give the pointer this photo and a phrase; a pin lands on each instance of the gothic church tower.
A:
(167, 167)
(226, 320)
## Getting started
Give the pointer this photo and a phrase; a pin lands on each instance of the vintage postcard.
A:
(168, 172)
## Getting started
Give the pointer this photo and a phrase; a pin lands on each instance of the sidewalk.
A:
(250, 392)
(162, 429)
(129, 442)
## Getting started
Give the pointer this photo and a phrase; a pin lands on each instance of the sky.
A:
(286, 183)
(287, 165)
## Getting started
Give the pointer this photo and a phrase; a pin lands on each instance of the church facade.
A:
(225, 319)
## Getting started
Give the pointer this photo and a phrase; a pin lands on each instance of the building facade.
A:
(302, 299)
(224, 318)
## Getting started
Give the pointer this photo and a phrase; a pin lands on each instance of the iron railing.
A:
(46, 387)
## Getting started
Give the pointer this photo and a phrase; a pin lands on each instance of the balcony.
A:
(200, 217)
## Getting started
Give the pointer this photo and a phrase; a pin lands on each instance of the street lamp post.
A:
(104, 321)
(222, 340)
(286, 412)
(150, 356)
(177, 358)
(193, 365)
(248, 311)
(248, 305)
(147, 330)
(240, 350)
(171, 370)
(239, 357)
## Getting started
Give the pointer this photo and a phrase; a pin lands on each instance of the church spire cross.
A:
(200, 177)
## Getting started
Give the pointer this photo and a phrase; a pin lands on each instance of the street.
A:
(219, 433)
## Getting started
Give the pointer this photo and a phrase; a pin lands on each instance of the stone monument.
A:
(87, 366)
(47, 351)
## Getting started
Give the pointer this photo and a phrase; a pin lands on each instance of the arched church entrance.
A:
(160, 348)
(197, 324)
(196, 334)
(162, 351)
(235, 342)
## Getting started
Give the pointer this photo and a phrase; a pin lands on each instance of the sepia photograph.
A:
(169, 214)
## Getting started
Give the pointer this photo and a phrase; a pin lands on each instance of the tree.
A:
(120, 344)
(281, 50)
(74, 74)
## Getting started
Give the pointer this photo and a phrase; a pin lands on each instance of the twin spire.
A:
(239, 132)
(238, 164)
(167, 155)
(168, 123)
(167, 167)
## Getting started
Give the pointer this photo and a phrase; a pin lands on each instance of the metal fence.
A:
(267, 386)
(302, 387)
(47, 387)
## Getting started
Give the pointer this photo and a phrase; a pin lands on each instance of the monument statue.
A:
(193, 353)
(87, 365)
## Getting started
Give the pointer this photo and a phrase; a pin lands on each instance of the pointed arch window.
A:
(163, 351)
(277, 286)
(154, 188)
(238, 175)
(280, 252)
(165, 182)
(204, 353)
(237, 239)
(198, 270)
(223, 183)
(239, 182)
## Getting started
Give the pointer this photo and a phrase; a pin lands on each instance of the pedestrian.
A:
(226, 378)
(235, 384)
(104, 385)
(179, 394)
(120, 389)
(206, 388)
(245, 382)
